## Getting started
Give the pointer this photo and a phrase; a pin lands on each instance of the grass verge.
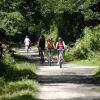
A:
(19, 82)
(87, 62)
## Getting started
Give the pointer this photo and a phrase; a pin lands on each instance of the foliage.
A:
(69, 54)
(16, 14)
(70, 16)
(17, 78)
(7, 59)
(86, 46)
(97, 72)
(39, 16)
(10, 18)
(94, 60)
(65, 18)
(10, 22)
(61, 6)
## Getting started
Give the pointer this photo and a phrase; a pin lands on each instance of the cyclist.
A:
(50, 46)
(27, 43)
(41, 46)
(60, 45)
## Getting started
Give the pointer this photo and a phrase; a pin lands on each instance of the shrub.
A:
(86, 45)
(69, 56)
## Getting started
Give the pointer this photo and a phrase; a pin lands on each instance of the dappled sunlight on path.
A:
(68, 83)
(71, 82)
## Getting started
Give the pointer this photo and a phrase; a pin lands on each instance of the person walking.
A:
(27, 43)
(41, 47)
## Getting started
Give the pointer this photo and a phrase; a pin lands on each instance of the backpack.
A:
(50, 44)
(60, 45)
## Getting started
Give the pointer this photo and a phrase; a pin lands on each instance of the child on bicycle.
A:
(60, 45)
(50, 47)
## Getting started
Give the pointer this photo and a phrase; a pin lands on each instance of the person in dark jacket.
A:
(41, 44)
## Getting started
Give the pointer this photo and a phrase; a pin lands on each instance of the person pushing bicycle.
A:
(60, 45)
(41, 47)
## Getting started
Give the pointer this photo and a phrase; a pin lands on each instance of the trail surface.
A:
(72, 82)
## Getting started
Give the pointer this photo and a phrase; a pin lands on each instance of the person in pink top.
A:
(60, 45)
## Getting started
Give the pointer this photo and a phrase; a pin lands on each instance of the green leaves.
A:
(11, 22)
(60, 6)
(38, 14)
(87, 45)
(57, 6)
(15, 14)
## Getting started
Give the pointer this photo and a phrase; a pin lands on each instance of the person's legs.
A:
(39, 50)
(51, 54)
(48, 54)
(26, 48)
(58, 57)
(42, 55)
(60, 54)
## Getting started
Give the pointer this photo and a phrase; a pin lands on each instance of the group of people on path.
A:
(42, 44)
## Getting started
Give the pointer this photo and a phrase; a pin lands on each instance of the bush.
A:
(85, 46)
(69, 56)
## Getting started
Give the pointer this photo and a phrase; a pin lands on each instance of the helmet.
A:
(59, 39)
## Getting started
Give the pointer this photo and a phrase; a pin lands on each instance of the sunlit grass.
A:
(22, 83)
(20, 88)
(26, 65)
(97, 72)
(94, 62)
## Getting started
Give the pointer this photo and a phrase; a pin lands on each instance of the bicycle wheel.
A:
(49, 58)
(60, 60)
(60, 64)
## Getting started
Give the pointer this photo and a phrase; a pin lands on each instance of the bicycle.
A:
(60, 57)
(50, 56)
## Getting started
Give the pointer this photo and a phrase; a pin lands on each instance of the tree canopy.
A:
(67, 16)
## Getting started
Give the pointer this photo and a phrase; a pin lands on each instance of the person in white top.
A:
(27, 43)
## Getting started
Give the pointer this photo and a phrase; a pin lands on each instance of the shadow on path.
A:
(23, 97)
(77, 79)
(64, 77)
(11, 73)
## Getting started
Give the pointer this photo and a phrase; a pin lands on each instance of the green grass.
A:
(97, 72)
(19, 82)
(19, 89)
(94, 62)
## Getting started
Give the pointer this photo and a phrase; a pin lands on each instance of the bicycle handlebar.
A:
(60, 49)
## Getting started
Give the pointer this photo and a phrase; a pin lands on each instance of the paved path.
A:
(72, 82)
